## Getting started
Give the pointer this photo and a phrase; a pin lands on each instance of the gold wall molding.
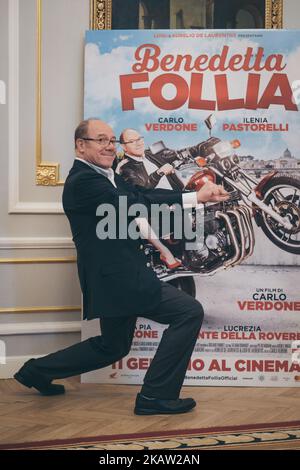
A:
(76, 308)
(47, 173)
(36, 243)
(101, 14)
(71, 259)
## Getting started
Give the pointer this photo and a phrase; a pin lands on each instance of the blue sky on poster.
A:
(110, 54)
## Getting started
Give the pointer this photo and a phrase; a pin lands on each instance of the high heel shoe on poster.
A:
(171, 265)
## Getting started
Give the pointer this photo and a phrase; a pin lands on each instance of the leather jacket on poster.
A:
(135, 172)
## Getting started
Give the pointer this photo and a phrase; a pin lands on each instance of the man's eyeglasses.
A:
(103, 141)
(135, 141)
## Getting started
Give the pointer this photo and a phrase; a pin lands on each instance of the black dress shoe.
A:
(155, 406)
(27, 377)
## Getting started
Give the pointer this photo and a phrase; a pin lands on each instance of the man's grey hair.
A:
(81, 131)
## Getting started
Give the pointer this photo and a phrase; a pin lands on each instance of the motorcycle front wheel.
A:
(187, 284)
(282, 193)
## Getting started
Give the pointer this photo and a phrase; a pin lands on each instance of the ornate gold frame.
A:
(274, 14)
(101, 14)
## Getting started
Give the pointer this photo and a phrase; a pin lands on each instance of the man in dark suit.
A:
(118, 284)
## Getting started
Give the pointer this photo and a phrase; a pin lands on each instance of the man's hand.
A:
(212, 192)
(166, 169)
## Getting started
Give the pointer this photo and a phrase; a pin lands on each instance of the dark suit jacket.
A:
(135, 173)
(114, 276)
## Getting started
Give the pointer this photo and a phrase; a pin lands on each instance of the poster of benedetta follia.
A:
(164, 85)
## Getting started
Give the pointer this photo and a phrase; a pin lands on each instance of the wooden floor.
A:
(92, 409)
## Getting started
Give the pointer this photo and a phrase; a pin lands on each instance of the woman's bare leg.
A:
(148, 233)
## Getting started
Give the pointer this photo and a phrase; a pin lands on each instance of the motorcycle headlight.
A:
(226, 163)
(235, 159)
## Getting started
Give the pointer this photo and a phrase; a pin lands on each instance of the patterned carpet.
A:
(254, 436)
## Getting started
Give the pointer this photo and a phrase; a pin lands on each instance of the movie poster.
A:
(164, 84)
